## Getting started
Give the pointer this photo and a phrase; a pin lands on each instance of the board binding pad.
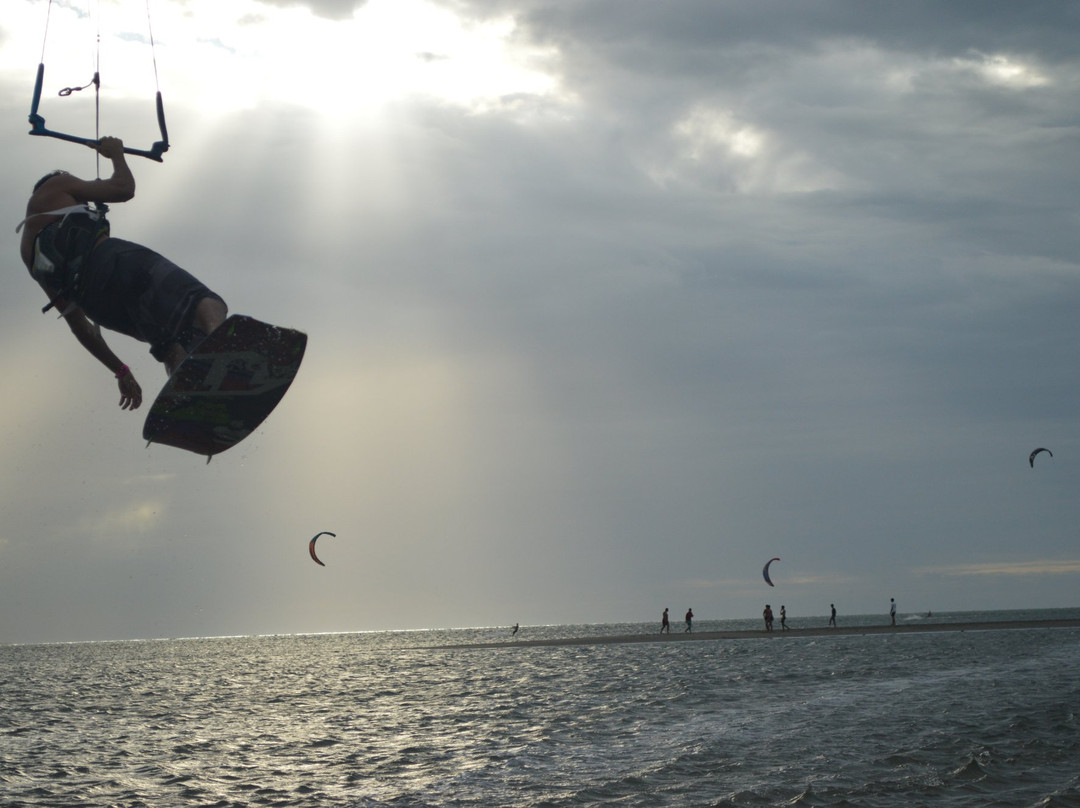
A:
(226, 387)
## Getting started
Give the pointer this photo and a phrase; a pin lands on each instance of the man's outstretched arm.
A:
(89, 336)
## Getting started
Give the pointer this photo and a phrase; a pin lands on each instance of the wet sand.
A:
(696, 636)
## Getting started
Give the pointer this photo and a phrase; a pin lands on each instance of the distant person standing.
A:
(689, 620)
(664, 624)
(892, 611)
(515, 631)
(832, 616)
(767, 614)
(783, 617)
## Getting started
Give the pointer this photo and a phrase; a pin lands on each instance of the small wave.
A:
(1064, 799)
(805, 797)
(971, 771)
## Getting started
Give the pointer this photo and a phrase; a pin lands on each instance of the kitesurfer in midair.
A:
(97, 281)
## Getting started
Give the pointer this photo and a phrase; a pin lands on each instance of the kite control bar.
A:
(37, 123)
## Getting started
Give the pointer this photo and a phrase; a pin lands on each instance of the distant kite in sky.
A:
(1031, 459)
(765, 572)
(311, 546)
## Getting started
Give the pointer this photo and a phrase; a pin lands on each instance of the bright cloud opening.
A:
(1003, 71)
(716, 147)
(705, 130)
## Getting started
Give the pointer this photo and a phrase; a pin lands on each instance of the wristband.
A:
(124, 371)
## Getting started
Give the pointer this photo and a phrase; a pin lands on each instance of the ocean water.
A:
(974, 718)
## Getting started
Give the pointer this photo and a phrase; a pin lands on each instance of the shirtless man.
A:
(95, 280)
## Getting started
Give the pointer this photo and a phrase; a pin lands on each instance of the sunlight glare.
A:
(389, 50)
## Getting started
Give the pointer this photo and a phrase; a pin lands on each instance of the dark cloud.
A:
(729, 27)
(330, 9)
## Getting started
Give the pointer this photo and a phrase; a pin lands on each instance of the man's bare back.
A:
(63, 190)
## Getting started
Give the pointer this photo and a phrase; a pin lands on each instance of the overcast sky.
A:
(608, 303)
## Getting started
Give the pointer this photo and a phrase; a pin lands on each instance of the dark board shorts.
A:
(131, 289)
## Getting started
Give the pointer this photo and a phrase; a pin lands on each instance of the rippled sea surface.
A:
(976, 718)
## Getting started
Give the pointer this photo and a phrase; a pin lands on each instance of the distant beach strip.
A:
(793, 633)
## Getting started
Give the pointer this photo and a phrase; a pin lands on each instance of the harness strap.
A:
(62, 247)
(60, 212)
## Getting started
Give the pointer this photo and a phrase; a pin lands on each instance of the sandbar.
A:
(776, 634)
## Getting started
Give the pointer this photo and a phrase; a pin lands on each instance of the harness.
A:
(62, 247)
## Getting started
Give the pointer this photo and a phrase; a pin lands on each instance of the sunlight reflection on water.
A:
(370, 719)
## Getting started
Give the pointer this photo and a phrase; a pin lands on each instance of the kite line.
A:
(37, 121)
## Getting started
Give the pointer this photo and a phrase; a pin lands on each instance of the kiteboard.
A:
(228, 386)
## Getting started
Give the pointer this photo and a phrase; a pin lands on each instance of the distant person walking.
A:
(892, 611)
(783, 617)
(832, 617)
(689, 620)
(664, 624)
(767, 614)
